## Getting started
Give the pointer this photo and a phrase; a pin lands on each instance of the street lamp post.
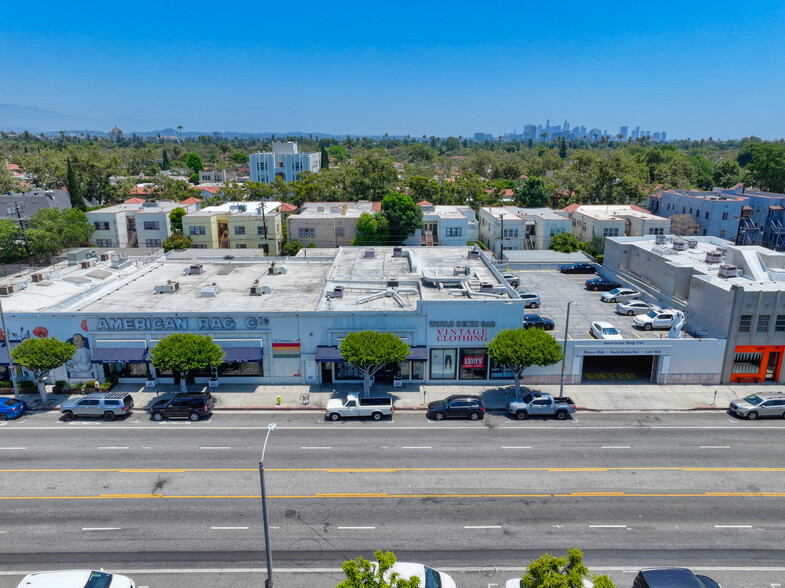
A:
(269, 582)
(564, 349)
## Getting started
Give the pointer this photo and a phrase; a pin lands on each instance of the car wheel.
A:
(521, 414)
(595, 288)
(377, 416)
(194, 416)
(647, 327)
(630, 313)
(752, 415)
(475, 416)
(68, 416)
(535, 305)
(157, 416)
(561, 414)
(613, 301)
(334, 416)
(3, 417)
(109, 415)
(439, 416)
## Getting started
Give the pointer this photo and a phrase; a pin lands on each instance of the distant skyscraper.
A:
(647, 133)
(656, 136)
(623, 132)
(566, 126)
(479, 137)
(583, 131)
(636, 133)
(662, 136)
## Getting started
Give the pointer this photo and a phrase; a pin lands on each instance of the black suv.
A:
(192, 405)
(672, 578)
(535, 321)
(603, 284)
(457, 406)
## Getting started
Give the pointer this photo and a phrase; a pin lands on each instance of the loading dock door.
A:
(627, 369)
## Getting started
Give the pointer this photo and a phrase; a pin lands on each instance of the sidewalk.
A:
(592, 397)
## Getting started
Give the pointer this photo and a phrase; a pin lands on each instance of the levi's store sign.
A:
(470, 362)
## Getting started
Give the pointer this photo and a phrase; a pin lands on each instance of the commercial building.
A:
(445, 225)
(716, 214)
(327, 224)
(236, 225)
(285, 162)
(614, 221)
(136, 222)
(512, 227)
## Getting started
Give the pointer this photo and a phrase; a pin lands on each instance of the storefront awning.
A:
(4, 351)
(326, 353)
(242, 354)
(120, 355)
(418, 354)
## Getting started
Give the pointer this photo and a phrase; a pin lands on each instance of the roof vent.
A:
(229, 257)
(210, 291)
(692, 243)
(713, 256)
(38, 277)
(679, 245)
(460, 270)
(87, 263)
(169, 288)
(7, 289)
(193, 270)
(259, 290)
(474, 254)
(397, 252)
(486, 287)
(393, 284)
(369, 254)
(659, 239)
(728, 271)
(337, 292)
(104, 256)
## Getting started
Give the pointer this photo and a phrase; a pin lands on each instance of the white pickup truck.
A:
(657, 319)
(354, 406)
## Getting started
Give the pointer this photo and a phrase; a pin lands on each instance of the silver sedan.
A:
(633, 307)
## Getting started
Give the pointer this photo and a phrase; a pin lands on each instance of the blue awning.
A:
(327, 353)
(4, 351)
(242, 354)
(418, 354)
(120, 355)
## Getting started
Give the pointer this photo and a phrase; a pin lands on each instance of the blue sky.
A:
(694, 69)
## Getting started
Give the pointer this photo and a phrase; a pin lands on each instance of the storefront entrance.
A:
(627, 369)
(757, 363)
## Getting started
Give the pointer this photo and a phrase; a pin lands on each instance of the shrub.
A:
(27, 384)
(6, 384)
(89, 384)
(107, 385)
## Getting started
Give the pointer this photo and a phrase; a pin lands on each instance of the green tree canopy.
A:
(176, 218)
(194, 162)
(40, 356)
(518, 349)
(11, 244)
(371, 229)
(421, 152)
(532, 194)
(7, 181)
(564, 243)
(74, 188)
(360, 573)
(403, 216)
(370, 351)
(167, 188)
(291, 248)
(51, 230)
(727, 173)
(176, 241)
(165, 160)
(184, 353)
(767, 168)
(372, 175)
(549, 571)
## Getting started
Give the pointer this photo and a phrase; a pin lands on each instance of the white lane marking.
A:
(14, 448)
(615, 447)
(314, 447)
(208, 447)
(101, 528)
(415, 447)
(114, 447)
(482, 527)
(517, 447)
(607, 526)
(715, 446)
(356, 528)
(733, 526)
(229, 528)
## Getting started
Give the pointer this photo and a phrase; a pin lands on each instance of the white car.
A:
(618, 294)
(76, 579)
(603, 330)
(633, 307)
(429, 578)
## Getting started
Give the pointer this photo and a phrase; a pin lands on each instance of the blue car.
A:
(10, 408)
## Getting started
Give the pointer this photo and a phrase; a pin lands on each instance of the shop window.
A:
(499, 372)
(474, 364)
(747, 363)
(250, 368)
(744, 323)
(779, 324)
(346, 371)
(417, 370)
(763, 323)
(443, 364)
(126, 370)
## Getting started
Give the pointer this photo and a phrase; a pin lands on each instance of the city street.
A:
(479, 500)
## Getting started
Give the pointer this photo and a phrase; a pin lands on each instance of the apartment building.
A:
(513, 228)
(216, 176)
(328, 224)
(717, 214)
(136, 222)
(614, 221)
(236, 225)
(285, 162)
(764, 223)
(452, 226)
(20, 206)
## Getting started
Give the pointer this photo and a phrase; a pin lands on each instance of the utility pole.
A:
(21, 226)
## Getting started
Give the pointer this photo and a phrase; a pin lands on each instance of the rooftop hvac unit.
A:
(459, 270)
(259, 290)
(337, 292)
(369, 254)
(397, 252)
(474, 254)
(659, 239)
(679, 245)
(7, 289)
(169, 288)
(393, 284)
(87, 263)
(210, 291)
(728, 271)
(75, 257)
(193, 270)
(723, 250)
(104, 257)
(713, 256)
(228, 257)
(37, 277)
(692, 243)
(486, 287)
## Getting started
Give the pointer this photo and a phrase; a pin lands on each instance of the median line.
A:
(356, 528)
(229, 528)
(482, 527)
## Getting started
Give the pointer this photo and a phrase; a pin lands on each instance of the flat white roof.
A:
(239, 209)
(615, 212)
(334, 209)
(524, 213)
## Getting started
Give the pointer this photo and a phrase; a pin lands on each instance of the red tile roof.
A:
(191, 200)
(12, 166)
(140, 190)
(571, 208)
(210, 189)
(377, 206)
(286, 207)
(424, 203)
(134, 200)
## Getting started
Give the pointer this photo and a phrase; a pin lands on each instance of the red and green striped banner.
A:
(286, 350)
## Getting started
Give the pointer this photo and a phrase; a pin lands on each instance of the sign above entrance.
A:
(181, 323)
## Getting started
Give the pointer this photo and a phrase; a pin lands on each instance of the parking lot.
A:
(557, 289)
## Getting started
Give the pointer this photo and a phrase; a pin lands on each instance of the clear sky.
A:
(691, 67)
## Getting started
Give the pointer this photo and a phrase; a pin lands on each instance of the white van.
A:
(75, 579)
(429, 578)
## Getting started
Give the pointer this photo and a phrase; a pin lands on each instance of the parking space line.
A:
(607, 526)
(715, 446)
(733, 526)
(229, 528)
(482, 527)
(412, 447)
(101, 528)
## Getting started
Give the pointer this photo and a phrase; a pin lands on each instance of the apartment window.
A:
(656, 231)
(103, 242)
(744, 323)
(704, 232)
(697, 214)
(510, 233)
(779, 324)
(339, 231)
(707, 215)
(690, 210)
(261, 231)
(610, 232)
(101, 226)
(239, 230)
(196, 230)
(198, 246)
(724, 216)
(683, 209)
(241, 246)
(763, 323)
(305, 233)
(152, 243)
(151, 226)
(454, 231)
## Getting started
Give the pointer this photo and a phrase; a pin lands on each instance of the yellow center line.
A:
(403, 470)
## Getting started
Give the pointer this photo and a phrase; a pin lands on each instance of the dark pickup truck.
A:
(538, 403)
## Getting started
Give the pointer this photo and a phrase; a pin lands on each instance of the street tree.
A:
(184, 353)
(371, 229)
(727, 173)
(176, 241)
(51, 230)
(548, 571)
(291, 248)
(11, 244)
(421, 152)
(325, 158)
(370, 351)
(7, 181)
(176, 218)
(167, 188)
(767, 168)
(532, 193)
(40, 356)
(519, 349)
(403, 216)
(564, 243)
(371, 177)
(360, 573)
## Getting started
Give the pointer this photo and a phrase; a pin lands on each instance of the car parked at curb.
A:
(11, 408)
(601, 284)
(98, 404)
(672, 578)
(193, 406)
(429, 578)
(603, 330)
(634, 307)
(578, 268)
(457, 406)
(518, 583)
(535, 321)
(617, 294)
(759, 405)
(530, 299)
(75, 579)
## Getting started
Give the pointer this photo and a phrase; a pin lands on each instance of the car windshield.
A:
(432, 578)
(609, 331)
(9, 402)
(651, 314)
(99, 580)
(614, 291)
(753, 399)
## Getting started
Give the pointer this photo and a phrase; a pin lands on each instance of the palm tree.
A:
(180, 128)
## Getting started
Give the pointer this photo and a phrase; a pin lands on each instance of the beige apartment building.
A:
(237, 225)
(327, 224)
(615, 221)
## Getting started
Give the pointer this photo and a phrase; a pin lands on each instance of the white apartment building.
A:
(285, 162)
(515, 228)
(136, 223)
(328, 224)
(452, 226)
(615, 221)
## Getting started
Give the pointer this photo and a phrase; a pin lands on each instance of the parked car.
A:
(530, 299)
(540, 404)
(657, 319)
(633, 307)
(672, 578)
(193, 406)
(457, 406)
(98, 404)
(603, 330)
(535, 321)
(352, 406)
(759, 405)
(513, 280)
(618, 294)
(578, 268)
(601, 284)
(429, 578)
(11, 408)
(75, 579)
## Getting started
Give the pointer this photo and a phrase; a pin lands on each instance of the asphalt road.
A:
(479, 500)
